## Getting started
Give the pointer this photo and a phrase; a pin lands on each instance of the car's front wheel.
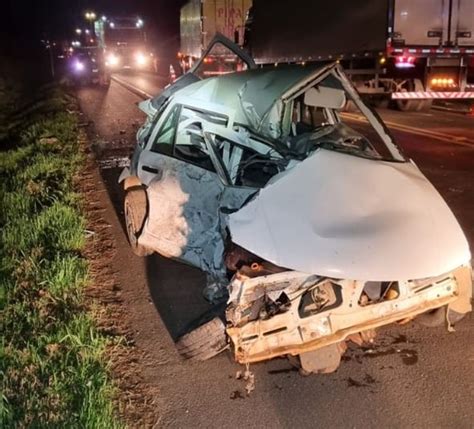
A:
(135, 209)
(204, 342)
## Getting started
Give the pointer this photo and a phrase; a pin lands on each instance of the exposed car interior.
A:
(319, 121)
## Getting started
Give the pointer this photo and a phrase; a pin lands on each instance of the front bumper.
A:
(290, 329)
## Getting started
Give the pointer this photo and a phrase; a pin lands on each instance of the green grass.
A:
(52, 358)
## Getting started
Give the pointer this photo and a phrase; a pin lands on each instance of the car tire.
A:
(437, 317)
(135, 210)
(204, 342)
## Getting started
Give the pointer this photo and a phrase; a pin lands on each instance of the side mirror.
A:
(326, 97)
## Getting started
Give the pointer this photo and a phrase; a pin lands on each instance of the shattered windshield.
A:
(326, 116)
(338, 137)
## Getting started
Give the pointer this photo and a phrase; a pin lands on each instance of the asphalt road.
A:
(412, 377)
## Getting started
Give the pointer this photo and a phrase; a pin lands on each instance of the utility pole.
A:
(51, 60)
(49, 47)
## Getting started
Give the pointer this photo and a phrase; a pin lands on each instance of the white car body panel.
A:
(343, 216)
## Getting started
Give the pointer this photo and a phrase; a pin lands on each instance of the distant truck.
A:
(125, 43)
(200, 20)
(413, 51)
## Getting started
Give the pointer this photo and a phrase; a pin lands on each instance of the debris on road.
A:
(247, 376)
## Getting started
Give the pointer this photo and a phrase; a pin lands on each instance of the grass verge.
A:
(52, 357)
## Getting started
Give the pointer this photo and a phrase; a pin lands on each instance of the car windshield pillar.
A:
(370, 114)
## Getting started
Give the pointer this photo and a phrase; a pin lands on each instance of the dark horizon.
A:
(29, 21)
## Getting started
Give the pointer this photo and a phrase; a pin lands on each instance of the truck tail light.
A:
(443, 82)
(405, 62)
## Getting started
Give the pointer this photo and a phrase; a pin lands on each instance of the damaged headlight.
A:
(321, 297)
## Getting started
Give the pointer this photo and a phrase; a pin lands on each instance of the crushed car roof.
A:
(250, 94)
(231, 88)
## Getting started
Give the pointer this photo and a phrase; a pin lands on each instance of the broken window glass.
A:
(363, 137)
(190, 145)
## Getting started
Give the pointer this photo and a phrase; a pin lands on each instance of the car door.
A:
(220, 52)
(183, 190)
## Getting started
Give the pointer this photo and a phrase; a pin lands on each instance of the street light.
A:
(78, 31)
(90, 16)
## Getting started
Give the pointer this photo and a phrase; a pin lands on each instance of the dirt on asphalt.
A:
(136, 402)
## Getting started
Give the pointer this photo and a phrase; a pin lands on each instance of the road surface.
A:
(413, 376)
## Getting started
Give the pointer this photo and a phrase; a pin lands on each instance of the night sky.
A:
(27, 21)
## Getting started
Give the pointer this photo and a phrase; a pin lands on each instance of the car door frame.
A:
(236, 49)
(184, 103)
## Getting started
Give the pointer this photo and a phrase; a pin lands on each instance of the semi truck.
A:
(200, 20)
(125, 43)
(410, 51)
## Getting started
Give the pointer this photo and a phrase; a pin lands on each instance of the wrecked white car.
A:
(315, 229)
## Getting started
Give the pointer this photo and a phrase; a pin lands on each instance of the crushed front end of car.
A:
(290, 313)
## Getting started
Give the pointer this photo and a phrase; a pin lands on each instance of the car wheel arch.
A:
(132, 182)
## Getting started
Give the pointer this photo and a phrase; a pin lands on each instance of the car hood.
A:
(343, 216)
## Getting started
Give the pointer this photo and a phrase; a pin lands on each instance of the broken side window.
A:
(189, 144)
(164, 139)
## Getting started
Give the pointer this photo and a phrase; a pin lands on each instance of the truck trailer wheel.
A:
(437, 317)
(424, 105)
(411, 85)
(135, 209)
(204, 342)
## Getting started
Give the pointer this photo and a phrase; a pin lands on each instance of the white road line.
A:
(132, 88)
(447, 138)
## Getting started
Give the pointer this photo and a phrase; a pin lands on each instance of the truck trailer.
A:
(412, 51)
(200, 20)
